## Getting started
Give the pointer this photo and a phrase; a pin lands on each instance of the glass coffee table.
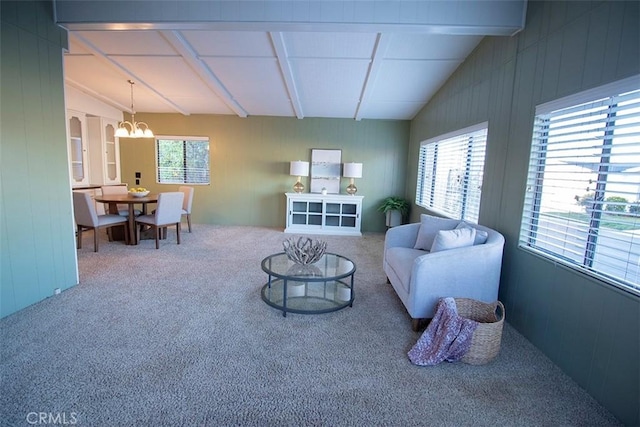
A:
(321, 287)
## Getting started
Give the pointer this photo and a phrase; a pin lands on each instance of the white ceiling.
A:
(319, 71)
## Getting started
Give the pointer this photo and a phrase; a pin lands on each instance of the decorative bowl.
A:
(139, 193)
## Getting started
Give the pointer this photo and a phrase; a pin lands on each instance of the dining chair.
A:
(123, 209)
(186, 204)
(87, 218)
(168, 213)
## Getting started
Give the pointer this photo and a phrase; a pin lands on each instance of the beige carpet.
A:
(180, 336)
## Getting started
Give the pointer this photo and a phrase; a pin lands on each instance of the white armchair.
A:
(421, 277)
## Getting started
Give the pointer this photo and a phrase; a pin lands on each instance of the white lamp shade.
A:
(122, 132)
(299, 168)
(352, 170)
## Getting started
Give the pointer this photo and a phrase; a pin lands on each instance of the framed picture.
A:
(325, 170)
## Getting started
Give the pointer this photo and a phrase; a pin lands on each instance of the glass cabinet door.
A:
(78, 150)
(110, 153)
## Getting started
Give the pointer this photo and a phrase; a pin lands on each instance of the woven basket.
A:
(485, 343)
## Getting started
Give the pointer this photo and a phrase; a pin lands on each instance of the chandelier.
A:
(133, 129)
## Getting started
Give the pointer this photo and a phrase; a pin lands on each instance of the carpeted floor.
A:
(180, 336)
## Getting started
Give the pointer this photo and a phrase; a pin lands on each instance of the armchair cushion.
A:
(481, 235)
(429, 226)
(452, 239)
(400, 260)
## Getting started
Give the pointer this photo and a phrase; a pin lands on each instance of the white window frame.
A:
(451, 184)
(586, 144)
(184, 171)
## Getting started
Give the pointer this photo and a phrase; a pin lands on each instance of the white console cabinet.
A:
(311, 213)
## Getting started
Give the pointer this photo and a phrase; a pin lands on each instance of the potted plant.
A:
(395, 208)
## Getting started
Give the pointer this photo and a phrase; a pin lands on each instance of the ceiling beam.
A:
(188, 53)
(487, 17)
(277, 40)
(377, 56)
(128, 73)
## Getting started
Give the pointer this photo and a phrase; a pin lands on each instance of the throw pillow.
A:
(481, 235)
(429, 226)
(452, 239)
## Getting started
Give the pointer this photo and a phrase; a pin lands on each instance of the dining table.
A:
(113, 200)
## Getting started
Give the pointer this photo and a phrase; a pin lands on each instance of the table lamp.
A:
(352, 171)
(299, 168)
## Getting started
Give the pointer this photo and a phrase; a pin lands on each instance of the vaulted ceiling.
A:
(234, 63)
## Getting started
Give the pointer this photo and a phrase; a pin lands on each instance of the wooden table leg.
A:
(133, 238)
(112, 209)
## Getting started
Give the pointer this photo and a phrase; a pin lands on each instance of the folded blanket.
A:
(448, 336)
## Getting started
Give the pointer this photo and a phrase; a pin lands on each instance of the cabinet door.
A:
(333, 216)
(343, 215)
(78, 148)
(111, 147)
(350, 215)
(104, 151)
(298, 213)
(305, 212)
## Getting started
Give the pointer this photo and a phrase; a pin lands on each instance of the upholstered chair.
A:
(438, 258)
(186, 204)
(167, 214)
(87, 218)
(123, 209)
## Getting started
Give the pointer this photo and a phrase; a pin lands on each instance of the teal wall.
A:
(250, 162)
(588, 328)
(36, 224)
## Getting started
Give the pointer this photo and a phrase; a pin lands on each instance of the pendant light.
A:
(133, 129)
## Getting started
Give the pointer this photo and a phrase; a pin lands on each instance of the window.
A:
(582, 205)
(450, 170)
(182, 160)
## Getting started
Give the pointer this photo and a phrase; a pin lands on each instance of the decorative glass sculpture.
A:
(304, 251)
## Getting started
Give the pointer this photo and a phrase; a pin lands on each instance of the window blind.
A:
(582, 202)
(182, 160)
(450, 171)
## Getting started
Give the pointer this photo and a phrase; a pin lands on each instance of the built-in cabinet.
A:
(94, 150)
(310, 213)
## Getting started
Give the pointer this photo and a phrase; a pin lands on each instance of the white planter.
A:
(393, 218)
